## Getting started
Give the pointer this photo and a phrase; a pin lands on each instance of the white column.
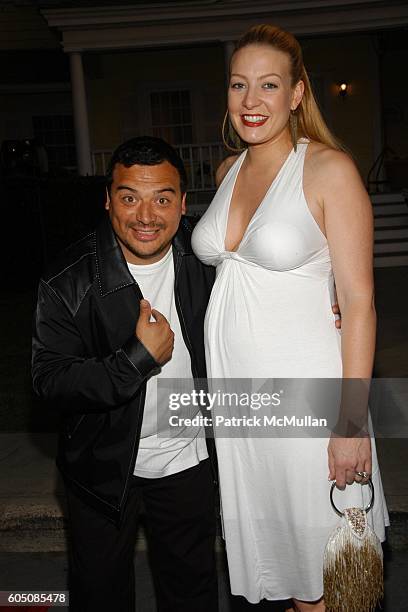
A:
(229, 47)
(82, 142)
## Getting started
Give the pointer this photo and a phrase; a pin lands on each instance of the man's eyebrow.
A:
(133, 190)
(166, 189)
(121, 187)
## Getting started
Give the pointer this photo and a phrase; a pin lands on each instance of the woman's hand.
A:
(348, 456)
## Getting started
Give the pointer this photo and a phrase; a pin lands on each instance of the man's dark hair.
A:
(146, 151)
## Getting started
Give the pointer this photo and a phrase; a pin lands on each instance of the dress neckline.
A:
(239, 163)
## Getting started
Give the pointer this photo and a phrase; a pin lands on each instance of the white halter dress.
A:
(270, 316)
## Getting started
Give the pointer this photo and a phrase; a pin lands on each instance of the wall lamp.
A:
(343, 88)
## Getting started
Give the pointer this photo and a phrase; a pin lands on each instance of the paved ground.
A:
(48, 571)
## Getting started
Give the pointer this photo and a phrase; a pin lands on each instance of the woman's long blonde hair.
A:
(311, 124)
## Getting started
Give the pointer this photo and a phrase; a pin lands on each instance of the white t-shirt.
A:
(158, 455)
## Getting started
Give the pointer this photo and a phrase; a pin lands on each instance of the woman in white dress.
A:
(290, 213)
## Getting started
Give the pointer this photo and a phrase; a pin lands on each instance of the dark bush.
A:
(41, 217)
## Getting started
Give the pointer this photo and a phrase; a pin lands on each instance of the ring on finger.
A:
(363, 474)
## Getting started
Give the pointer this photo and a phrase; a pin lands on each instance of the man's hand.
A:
(336, 311)
(348, 456)
(157, 335)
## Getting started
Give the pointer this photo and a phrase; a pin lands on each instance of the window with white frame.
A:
(171, 116)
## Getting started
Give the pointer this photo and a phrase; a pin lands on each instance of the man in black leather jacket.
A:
(96, 347)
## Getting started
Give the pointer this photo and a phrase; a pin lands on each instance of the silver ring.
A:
(367, 509)
(363, 474)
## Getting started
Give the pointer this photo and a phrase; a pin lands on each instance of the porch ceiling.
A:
(179, 23)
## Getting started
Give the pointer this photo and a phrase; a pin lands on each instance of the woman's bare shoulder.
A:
(330, 172)
(326, 161)
(223, 168)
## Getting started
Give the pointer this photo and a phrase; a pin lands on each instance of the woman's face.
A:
(260, 93)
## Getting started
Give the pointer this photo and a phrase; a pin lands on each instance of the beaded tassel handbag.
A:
(353, 562)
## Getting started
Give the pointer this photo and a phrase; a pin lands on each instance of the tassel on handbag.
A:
(353, 562)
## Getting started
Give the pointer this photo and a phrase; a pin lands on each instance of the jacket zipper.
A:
(77, 424)
(136, 440)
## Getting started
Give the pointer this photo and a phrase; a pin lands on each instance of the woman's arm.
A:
(348, 222)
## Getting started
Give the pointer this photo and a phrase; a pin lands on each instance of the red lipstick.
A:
(253, 120)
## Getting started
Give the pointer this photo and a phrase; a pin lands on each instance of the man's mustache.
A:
(146, 226)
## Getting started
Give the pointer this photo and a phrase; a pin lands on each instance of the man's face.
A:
(145, 206)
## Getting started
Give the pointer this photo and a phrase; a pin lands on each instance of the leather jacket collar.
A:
(112, 271)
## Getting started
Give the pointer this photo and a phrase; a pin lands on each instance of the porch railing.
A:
(201, 162)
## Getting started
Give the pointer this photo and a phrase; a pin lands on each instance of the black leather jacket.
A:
(89, 363)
